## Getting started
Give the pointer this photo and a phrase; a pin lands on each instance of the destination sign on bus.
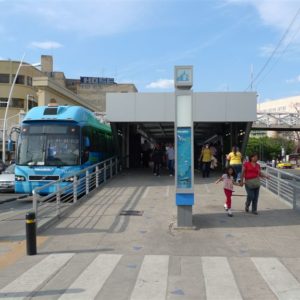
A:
(96, 80)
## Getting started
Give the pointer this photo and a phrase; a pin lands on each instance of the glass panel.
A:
(184, 158)
(29, 80)
(184, 111)
(51, 145)
(30, 150)
(62, 151)
(17, 102)
(31, 104)
(4, 78)
(20, 79)
(3, 102)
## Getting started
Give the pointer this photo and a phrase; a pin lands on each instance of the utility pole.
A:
(6, 110)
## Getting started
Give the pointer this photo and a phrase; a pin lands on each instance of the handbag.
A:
(252, 183)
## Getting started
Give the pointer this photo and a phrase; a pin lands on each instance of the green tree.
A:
(269, 148)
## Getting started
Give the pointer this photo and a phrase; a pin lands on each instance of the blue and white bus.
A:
(57, 141)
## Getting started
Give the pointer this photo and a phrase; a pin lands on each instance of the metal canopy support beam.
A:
(161, 128)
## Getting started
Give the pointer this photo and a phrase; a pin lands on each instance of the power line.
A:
(275, 50)
(278, 58)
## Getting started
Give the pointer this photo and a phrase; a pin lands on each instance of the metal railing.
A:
(54, 198)
(283, 184)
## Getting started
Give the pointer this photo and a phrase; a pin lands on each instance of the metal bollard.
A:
(31, 233)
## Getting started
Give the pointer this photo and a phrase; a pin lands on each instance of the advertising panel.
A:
(184, 158)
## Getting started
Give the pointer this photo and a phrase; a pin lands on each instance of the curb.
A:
(13, 199)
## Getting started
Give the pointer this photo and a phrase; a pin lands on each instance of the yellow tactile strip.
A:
(15, 250)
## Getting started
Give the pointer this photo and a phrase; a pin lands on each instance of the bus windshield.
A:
(48, 145)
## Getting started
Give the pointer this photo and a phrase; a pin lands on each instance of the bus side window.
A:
(102, 143)
(86, 144)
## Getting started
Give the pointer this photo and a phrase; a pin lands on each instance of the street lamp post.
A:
(6, 110)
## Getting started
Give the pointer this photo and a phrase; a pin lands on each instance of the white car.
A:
(263, 165)
(7, 179)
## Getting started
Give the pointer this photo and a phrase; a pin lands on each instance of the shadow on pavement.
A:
(266, 218)
(97, 250)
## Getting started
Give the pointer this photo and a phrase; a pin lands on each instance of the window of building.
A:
(29, 80)
(20, 79)
(281, 108)
(4, 78)
(3, 102)
(17, 102)
(32, 103)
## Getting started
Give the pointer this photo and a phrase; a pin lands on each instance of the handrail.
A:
(284, 184)
(55, 197)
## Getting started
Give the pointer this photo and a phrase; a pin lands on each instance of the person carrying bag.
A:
(251, 175)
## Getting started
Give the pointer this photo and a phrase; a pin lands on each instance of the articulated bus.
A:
(57, 141)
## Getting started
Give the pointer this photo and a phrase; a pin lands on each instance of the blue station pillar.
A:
(184, 145)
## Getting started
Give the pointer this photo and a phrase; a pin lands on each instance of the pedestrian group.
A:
(237, 173)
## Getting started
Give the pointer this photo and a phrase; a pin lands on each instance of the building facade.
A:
(283, 105)
(280, 106)
(36, 86)
(94, 89)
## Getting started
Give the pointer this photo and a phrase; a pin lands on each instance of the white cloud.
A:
(46, 45)
(267, 50)
(278, 15)
(89, 17)
(293, 80)
(161, 84)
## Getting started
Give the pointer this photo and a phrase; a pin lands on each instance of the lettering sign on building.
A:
(96, 80)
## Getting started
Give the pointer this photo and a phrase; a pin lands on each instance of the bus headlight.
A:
(20, 178)
(69, 179)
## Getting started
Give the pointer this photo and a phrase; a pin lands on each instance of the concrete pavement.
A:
(95, 253)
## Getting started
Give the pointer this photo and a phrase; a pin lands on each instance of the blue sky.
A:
(140, 41)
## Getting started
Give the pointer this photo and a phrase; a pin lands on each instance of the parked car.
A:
(2, 166)
(284, 165)
(263, 165)
(7, 179)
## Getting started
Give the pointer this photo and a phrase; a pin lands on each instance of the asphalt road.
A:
(293, 171)
(12, 217)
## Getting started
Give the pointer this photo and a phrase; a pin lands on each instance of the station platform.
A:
(96, 253)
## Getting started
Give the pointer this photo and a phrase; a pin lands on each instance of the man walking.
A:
(171, 159)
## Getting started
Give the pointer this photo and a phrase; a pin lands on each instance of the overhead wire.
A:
(274, 50)
(278, 58)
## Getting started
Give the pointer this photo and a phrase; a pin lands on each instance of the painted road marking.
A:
(207, 188)
(168, 191)
(145, 194)
(93, 277)
(219, 280)
(35, 277)
(283, 284)
(152, 279)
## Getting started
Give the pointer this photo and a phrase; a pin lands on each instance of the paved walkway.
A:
(95, 253)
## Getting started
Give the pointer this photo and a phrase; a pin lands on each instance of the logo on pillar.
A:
(183, 77)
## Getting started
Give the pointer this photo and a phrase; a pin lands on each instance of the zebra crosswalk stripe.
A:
(153, 281)
(90, 282)
(283, 284)
(219, 280)
(152, 278)
(35, 277)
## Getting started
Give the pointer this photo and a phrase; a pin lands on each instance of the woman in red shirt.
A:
(251, 174)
